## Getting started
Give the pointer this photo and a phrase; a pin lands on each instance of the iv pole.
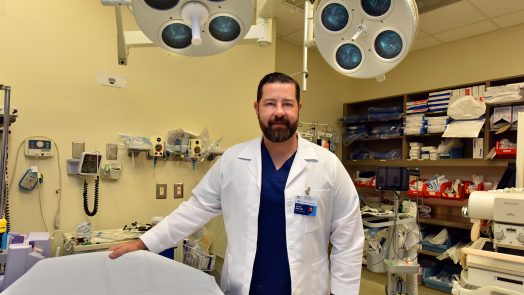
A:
(5, 134)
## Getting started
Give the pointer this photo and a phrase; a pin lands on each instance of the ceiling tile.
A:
(509, 20)
(421, 33)
(466, 31)
(289, 19)
(450, 17)
(425, 42)
(494, 8)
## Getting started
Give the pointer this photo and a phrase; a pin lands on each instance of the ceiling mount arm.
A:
(309, 41)
(262, 32)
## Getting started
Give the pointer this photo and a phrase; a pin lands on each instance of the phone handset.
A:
(90, 166)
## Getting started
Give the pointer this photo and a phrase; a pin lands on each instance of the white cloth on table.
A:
(135, 273)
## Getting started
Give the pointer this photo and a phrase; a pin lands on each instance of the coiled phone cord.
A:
(95, 207)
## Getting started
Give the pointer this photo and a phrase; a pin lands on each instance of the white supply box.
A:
(478, 148)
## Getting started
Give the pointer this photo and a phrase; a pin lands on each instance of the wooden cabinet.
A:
(355, 115)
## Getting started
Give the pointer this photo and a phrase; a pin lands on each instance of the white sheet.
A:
(464, 129)
(136, 273)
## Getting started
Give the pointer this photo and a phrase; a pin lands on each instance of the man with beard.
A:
(284, 201)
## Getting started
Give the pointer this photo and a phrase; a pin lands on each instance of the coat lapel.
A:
(252, 154)
(304, 154)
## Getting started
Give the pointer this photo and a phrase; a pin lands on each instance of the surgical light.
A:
(365, 38)
(335, 17)
(194, 27)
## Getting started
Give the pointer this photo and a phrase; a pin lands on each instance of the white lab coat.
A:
(232, 186)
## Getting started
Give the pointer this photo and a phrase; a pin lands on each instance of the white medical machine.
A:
(39, 147)
(494, 266)
(398, 261)
(23, 252)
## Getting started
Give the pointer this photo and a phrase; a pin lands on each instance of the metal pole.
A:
(5, 134)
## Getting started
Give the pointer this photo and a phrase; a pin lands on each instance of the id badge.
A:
(306, 205)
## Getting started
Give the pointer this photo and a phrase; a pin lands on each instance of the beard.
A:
(279, 133)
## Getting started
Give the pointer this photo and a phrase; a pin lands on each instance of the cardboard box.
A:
(515, 114)
(478, 148)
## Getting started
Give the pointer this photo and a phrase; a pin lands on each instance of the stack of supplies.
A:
(415, 125)
(351, 119)
(384, 113)
(504, 94)
(437, 124)
(414, 150)
(419, 106)
(354, 133)
(438, 101)
(386, 131)
(429, 153)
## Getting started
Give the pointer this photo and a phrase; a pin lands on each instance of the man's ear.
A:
(255, 106)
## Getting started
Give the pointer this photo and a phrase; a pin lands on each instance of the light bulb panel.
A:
(163, 23)
(388, 31)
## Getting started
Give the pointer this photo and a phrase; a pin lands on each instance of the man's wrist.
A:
(140, 244)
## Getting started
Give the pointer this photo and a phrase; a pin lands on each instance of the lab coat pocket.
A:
(320, 277)
(314, 223)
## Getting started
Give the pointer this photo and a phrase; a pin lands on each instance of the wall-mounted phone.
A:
(89, 163)
(39, 147)
(157, 148)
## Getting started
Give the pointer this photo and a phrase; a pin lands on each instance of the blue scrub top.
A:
(271, 274)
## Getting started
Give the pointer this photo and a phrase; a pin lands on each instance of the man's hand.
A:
(121, 249)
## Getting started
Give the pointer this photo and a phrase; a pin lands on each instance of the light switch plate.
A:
(161, 190)
(178, 190)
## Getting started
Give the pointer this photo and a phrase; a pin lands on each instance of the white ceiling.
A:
(452, 22)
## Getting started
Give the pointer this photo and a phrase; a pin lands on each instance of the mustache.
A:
(278, 121)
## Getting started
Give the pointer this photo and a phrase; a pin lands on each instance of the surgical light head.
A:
(365, 38)
(194, 27)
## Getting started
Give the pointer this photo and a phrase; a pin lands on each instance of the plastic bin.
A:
(435, 270)
(197, 259)
(453, 238)
(375, 262)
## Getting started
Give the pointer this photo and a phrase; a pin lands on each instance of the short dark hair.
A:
(277, 77)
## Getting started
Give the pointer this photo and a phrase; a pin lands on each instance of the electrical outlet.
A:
(157, 148)
(78, 147)
(178, 190)
(111, 151)
(161, 190)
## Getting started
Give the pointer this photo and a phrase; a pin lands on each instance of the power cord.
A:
(38, 183)
(58, 190)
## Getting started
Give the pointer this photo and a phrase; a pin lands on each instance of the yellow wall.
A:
(50, 54)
